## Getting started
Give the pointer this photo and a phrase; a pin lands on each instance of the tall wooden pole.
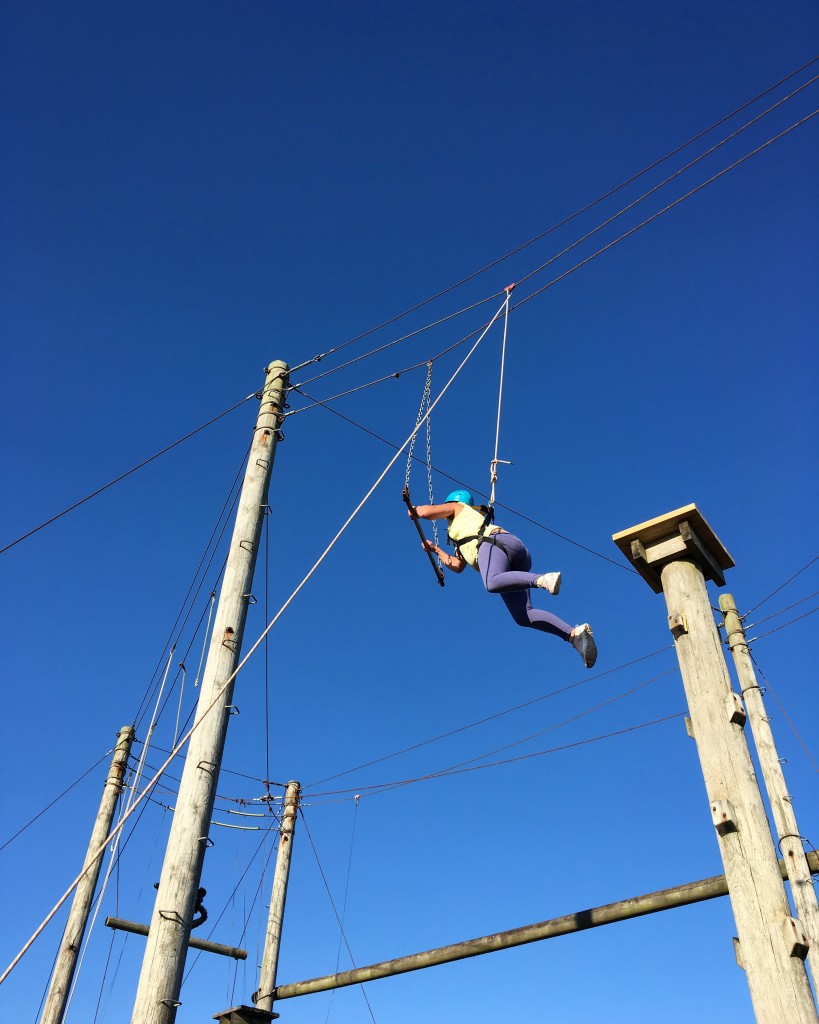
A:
(163, 965)
(71, 941)
(675, 553)
(790, 841)
(270, 958)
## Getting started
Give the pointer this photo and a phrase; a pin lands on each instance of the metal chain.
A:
(424, 409)
(429, 457)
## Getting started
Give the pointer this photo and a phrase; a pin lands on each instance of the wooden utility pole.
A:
(790, 841)
(262, 1010)
(270, 958)
(675, 554)
(71, 941)
(163, 965)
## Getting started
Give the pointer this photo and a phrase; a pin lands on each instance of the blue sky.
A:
(191, 191)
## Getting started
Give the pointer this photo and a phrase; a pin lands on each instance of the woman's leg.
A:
(521, 610)
(504, 572)
(506, 566)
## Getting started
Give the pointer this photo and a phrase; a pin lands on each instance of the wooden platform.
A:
(683, 533)
(245, 1015)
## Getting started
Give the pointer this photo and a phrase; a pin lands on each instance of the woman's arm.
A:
(452, 562)
(445, 511)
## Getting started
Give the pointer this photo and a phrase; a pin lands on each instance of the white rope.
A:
(90, 931)
(175, 751)
(151, 726)
(493, 468)
(179, 704)
(198, 671)
(205, 641)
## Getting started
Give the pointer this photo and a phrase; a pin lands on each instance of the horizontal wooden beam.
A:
(118, 924)
(638, 906)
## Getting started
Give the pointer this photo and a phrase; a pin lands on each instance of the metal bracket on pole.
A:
(796, 938)
(677, 625)
(724, 817)
(736, 709)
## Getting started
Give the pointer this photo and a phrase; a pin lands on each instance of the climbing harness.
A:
(480, 536)
(424, 410)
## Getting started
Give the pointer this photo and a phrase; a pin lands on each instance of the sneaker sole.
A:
(589, 649)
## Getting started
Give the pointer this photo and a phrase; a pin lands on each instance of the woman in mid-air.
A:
(505, 565)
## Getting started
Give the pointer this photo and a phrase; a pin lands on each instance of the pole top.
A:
(683, 534)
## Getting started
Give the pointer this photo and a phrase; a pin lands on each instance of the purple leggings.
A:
(505, 569)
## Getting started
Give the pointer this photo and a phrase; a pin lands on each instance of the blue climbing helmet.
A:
(463, 496)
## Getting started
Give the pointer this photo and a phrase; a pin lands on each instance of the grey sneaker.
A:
(583, 643)
(549, 581)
